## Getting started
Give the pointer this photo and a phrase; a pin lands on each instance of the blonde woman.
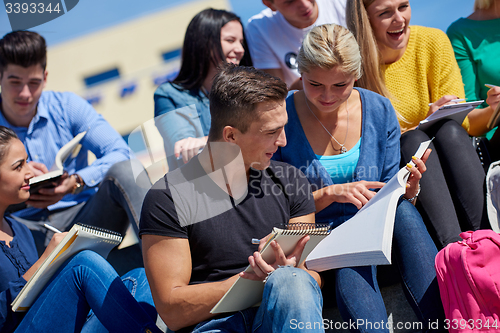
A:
(415, 66)
(347, 143)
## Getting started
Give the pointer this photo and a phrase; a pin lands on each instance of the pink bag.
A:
(468, 274)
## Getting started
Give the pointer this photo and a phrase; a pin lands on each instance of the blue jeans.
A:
(357, 291)
(118, 200)
(291, 300)
(87, 282)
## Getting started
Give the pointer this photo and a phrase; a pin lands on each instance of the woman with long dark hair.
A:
(182, 113)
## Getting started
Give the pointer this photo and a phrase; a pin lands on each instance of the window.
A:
(167, 56)
(102, 77)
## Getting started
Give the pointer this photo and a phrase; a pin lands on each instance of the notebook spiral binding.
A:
(101, 232)
(306, 229)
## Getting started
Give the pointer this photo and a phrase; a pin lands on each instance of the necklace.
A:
(342, 148)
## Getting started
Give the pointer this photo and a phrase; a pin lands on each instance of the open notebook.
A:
(80, 237)
(457, 112)
(366, 238)
(245, 293)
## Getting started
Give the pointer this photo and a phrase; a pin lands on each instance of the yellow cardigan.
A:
(426, 72)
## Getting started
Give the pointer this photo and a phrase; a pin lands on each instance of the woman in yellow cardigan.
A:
(415, 67)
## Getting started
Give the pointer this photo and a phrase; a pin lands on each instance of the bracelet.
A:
(416, 195)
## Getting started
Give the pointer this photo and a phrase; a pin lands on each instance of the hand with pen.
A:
(261, 269)
(480, 117)
(445, 100)
(493, 96)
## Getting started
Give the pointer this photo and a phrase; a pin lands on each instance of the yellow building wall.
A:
(136, 49)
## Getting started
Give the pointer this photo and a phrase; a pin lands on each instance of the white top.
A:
(274, 43)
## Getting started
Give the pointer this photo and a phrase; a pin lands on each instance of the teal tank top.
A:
(341, 167)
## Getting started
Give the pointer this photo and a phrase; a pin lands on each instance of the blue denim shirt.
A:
(180, 114)
(378, 157)
(59, 117)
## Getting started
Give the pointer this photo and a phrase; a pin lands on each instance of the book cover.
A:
(64, 156)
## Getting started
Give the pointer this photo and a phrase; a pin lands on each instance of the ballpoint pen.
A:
(453, 100)
(51, 228)
(490, 85)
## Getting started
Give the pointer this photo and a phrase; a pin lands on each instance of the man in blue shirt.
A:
(105, 193)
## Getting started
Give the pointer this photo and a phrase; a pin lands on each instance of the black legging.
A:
(452, 190)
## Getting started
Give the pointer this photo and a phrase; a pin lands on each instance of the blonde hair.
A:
(359, 24)
(328, 46)
(482, 4)
(373, 68)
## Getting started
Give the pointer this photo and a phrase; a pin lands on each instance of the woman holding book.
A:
(347, 142)
(182, 113)
(85, 294)
(415, 66)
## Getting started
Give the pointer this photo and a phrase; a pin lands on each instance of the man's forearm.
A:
(189, 305)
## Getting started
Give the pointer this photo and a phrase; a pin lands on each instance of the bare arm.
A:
(167, 262)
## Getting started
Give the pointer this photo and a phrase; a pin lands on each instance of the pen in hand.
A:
(51, 228)
(454, 100)
(489, 85)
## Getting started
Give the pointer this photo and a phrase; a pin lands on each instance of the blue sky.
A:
(92, 15)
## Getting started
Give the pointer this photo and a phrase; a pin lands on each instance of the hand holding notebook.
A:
(80, 237)
(245, 293)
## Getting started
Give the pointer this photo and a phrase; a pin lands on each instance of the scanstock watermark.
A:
(26, 14)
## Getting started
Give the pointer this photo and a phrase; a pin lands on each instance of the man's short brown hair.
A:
(22, 48)
(235, 93)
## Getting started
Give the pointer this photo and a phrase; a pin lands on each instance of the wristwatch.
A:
(79, 185)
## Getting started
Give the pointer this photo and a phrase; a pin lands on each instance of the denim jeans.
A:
(291, 301)
(358, 294)
(87, 282)
(119, 200)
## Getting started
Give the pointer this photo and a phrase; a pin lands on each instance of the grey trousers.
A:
(117, 203)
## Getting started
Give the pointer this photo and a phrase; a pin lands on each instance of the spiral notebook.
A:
(246, 293)
(80, 237)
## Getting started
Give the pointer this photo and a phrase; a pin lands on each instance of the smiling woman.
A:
(182, 113)
(338, 133)
(415, 66)
(84, 282)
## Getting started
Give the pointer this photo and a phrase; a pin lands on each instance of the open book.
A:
(366, 238)
(245, 293)
(495, 118)
(80, 237)
(64, 156)
(457, 112)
